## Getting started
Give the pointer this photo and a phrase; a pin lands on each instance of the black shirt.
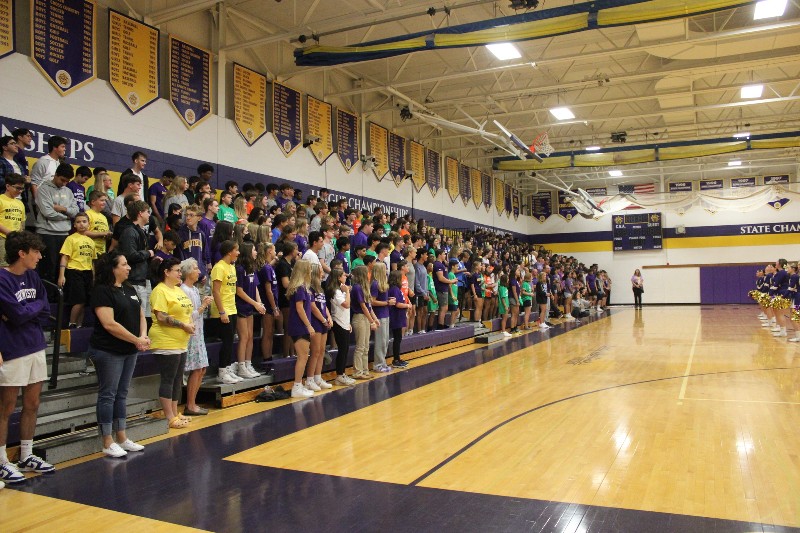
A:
(282, 270)
(125, 304)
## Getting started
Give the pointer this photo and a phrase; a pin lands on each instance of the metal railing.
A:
(56, 333)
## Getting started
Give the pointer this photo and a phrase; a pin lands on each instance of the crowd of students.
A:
(168, 266)
(778, 296)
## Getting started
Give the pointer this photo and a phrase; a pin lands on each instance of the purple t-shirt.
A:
(207, 226)
(321, 303)
(159, 191)
(513, 291)
(345, 266)
(194, 245)
(266, 275)
(380, 311)
(395, 257)
(302, 243)
(23, 301)
(295, 326)
(438, 266)
(356, 299)
(79, 192)
(591, 283)
(249, 284)
(397, 316)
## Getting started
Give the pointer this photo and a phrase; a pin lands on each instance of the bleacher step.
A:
(56, 400)
(67, 364)
(219, 390)
(489, 338)
(79, 444)
(72, 418)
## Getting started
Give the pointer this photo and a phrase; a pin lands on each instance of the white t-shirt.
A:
(311, 257)
(340, 315)
(14, 165)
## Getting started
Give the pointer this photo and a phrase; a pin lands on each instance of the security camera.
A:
(369, 159)
(309, 139)
(369, 164)
(410, 173)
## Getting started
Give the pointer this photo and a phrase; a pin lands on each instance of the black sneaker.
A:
(549, 324)
(399, 363)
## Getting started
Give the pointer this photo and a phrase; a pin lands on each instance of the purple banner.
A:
(597, 191)
(565, 208)
(347, 138)
(189, 81)
(486, 190)
(541, 205)
(433, 171)
(743, 182)
(709, 185)
(464, 186)
(515, 204)
(776, 179)
(287, 117)
(508, 200)
(63, 42)
(397, 158)
(681, 186)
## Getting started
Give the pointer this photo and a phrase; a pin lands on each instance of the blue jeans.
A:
(114, 373)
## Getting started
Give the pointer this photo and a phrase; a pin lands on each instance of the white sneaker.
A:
(224, 376)
(130, 446)
(253, 372)
(570, 318)
(775, 328)
(2, 485)
(506, 334)
(780, 333)
(344, 380)
(115, 450)
(241, 370)
(312, 385)
(233, 371)
(298, 391)
(794, 339)
(762, 316)
(322, 384)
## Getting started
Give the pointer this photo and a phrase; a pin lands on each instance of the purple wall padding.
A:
(727, 284)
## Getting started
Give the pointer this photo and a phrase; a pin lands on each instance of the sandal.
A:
(184, 417)
(178, 423)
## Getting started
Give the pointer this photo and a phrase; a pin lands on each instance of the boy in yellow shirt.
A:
(12, 211)
(98, 223)
(76, 270)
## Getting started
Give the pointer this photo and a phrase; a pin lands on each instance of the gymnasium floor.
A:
(666, 419)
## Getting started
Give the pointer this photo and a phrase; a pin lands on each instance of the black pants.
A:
(171, 367)
(397, 338)
(51, 258)
(225, 333)
(342, 337)
(637, 297)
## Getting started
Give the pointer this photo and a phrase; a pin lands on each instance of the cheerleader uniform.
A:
(794, 294)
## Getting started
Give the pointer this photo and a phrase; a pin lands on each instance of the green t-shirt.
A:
(372, 253)
(453, 289)
(357, 262)
(526, 287)
(227, 214)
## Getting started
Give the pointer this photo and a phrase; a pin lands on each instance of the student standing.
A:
(321, 320)
(398, 317)
(502, 297)
(299, 326)
(541, 300)
(248, 303)
(196, 354)
(268, 290)
(637, 284)
(76, 269)
(12, 211)
(379, 291)
(223, 308)
(363, 320)
(526, 297)
(338, 294)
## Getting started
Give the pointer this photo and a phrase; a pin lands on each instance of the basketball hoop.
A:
(541, 145)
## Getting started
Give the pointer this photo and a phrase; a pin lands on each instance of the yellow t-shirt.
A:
(12, 213)
(174, 302)
(81, 252)
(225, 273)
(99, 223)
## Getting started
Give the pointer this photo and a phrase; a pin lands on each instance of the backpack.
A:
(270, 394)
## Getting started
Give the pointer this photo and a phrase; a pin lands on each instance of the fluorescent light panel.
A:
(562, 113)
(504, 51)
(743, 135)
(593, 148)
(752, 91)
(615, 173)
(769, 9)
(736, 163)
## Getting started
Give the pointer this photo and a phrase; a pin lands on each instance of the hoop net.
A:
(541, 145)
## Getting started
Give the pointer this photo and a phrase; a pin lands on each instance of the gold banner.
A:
(451, 177)
(416, 164)
(320, 123)
(249, 103)
(379, 149)
(6, 27)
(477, 191)
(132, 61)
(499, 196)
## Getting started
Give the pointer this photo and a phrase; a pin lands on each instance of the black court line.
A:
(587, 393)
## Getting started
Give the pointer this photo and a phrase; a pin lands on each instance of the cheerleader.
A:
(794, 294)
(780, 302)
(769, 321)
(756, 293)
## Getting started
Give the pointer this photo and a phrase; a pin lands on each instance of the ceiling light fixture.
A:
(751, 91)
(593, 148)
(615, 173)
(562, 113)
(769, 9)
(504, 51)
(742, 135)
(735, 163)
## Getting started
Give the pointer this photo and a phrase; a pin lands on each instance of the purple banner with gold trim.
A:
(565, 208)
(63, 42)
(397, 158)
(508, 200)
(541, 205)
(464, 188)
(433, 171)
(287, 117)
(486, 191)
(515, 204)
(189, 81)
(347, 138)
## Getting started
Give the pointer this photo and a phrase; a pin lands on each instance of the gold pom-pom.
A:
(779, 302)
(796, 314)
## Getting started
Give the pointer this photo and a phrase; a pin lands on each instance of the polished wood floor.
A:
(681, 410)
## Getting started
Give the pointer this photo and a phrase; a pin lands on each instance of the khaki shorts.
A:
(143, 293)
(24, 371)
(3, 252)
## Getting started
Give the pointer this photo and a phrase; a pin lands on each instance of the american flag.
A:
(643, 188)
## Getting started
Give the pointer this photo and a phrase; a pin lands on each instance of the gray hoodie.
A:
(49, 221)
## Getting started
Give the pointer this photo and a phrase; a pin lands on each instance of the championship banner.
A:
(743, 182)
(499, 198)
(541, 205)
(451, 181)
(476, 182)
(397, 158)
(515, 204)
(133, 61)
(710, 185)
(597, 191)
(416, 163)
(507, 198)
(486, 191)
(320, 122)
(347, 138)
(681, 186)
(379, 149)
(6, 27)
(249, 103)
(565, 208)
(189, 81)
(287, 118)
(62, 42)
(433, 171)
(776, 179)
(464, 189)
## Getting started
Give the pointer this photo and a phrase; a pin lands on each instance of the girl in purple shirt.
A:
(268, 290)
(321, 321)
(362, 321)
(248, 303)
(398, 317)
(299, 326)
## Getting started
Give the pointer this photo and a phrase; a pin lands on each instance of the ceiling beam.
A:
(161, 16)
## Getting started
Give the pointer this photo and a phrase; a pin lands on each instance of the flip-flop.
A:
(178, 423)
